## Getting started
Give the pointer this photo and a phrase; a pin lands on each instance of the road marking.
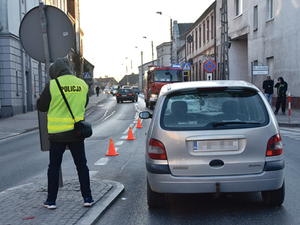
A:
(101, 162)
(119, 142)
(93, 173)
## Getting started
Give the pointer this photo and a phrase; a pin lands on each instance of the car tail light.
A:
(274, 146)
(117, 94)
(156, 150)
(130, 94)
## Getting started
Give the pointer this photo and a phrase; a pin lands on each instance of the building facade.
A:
(263, 33)
(164, 54)
(22, 79)
(200, 44)
(178, 40)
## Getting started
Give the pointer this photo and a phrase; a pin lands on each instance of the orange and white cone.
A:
(139, 125)
(130, 135)
(111, 150)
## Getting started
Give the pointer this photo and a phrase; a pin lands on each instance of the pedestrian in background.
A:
(61, 127)
(282, 87)
(268, 86)
(97, 90)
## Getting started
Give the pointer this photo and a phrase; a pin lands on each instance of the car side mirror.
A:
(145, 115)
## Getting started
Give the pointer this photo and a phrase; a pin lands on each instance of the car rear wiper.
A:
(229, 123)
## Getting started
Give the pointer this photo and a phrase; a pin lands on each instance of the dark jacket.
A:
(60, 67)
(281, 88)
(268, 86)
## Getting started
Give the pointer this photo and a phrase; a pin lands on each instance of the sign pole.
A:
(47, 65)
(45, 37)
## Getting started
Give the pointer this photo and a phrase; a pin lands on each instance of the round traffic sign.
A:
(209, 66)
(60, 33)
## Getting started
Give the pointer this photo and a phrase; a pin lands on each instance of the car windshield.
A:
(167, 75)
(213, 109)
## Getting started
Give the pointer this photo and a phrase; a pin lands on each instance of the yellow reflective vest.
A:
(59, 116)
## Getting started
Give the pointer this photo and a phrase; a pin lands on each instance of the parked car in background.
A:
(136, 89)
(126, 86)
(126, 94)
(213, 137)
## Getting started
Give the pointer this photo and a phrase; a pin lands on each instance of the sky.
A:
(117, 31)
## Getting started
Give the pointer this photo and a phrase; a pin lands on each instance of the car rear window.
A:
(213, 109)
(124, 91)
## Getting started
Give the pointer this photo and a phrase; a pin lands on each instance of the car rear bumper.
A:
(163, 182)
(126, 98)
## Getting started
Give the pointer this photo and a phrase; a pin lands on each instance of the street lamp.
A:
(171, 32)
(151, 49)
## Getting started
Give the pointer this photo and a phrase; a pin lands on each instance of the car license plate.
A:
(216, 145)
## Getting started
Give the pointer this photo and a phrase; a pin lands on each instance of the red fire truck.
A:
(156, 77)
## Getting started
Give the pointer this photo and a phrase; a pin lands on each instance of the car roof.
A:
(173, 87)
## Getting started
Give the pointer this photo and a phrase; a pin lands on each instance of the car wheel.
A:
(154, 199)
(137, 99)
(147, 104)
(275, 197)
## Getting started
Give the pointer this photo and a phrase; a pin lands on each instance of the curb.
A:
(100, 207)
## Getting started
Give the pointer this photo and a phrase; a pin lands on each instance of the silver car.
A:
(213, 137)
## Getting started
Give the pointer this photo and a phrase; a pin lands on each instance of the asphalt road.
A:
(22, 162)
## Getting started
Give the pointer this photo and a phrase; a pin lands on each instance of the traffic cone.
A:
(130, 135)
(111, 150)
(139, 125)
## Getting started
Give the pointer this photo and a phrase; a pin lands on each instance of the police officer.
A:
(61, 127)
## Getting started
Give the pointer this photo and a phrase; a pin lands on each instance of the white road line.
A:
(93, 173)
(119, 142)
(101, 162)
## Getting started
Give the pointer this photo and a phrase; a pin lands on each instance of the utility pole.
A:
(225, 44)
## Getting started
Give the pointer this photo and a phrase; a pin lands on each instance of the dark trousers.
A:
(280, 101)
(56, 153)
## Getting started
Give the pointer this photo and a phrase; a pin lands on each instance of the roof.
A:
(132, 79)
(169, 88)
(183, 28)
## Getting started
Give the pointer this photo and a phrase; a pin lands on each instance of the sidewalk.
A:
(24, 204)
(22, 123)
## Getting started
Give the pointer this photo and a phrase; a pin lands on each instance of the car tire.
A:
(147, 104)
(274, 197)
(137, 99)
(154, 199)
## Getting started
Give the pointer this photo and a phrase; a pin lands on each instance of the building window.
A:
(203, 33)
(196, 39)
(199, 36)
(200, 70)
(255, 18)
(270, 9)
(238, 5)
(193, 42)
(196, 71)
(207, 31)
(212, 27)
